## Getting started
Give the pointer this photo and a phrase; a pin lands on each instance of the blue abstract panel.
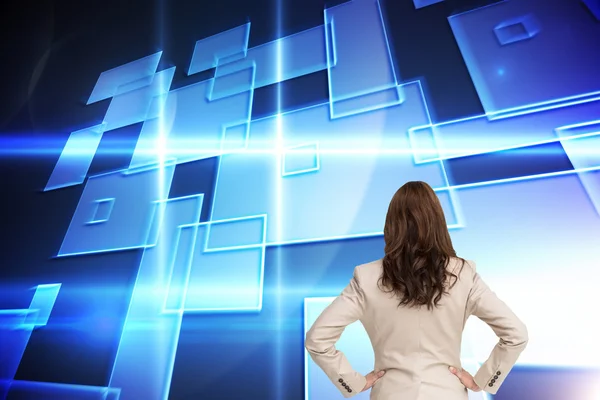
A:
(425, 3)
(42, 304)
(128, 77)
(356, 345)
(76, 158)
(16, 327)
(527, 73)
(144, 363)
(229, 84)
(581, 142)
(229, 277)
(363, 160)
(509, 165)
(224, 47)
(545, 125)
(517, 29)
(478, 135)
(134, 194)
(362, 77)
(236, 233)
(282, 59)
(103, 210)
(301, 159)
(235, 138)
(191, 127)
(137, 105)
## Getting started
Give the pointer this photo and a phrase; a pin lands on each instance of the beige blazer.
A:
(415, 346)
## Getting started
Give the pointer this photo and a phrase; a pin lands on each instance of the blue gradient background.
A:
(186, 185)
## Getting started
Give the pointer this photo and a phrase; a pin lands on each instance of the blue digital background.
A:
(186, 185)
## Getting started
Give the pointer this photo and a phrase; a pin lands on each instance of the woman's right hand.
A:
(465, 378)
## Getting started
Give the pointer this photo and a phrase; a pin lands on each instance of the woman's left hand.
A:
(372, 378)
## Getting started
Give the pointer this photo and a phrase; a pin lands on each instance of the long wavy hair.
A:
(418, 248)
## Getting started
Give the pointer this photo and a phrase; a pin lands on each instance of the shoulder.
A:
(462, 268)
(368, 272)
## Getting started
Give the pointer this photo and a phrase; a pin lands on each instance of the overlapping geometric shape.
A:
(192, 127)
(228, 266)
(286, 58)
(581, 142)
(479, 135)
(425, 3)
(144, 362)
(363, 160)
(15, 330)
(517, 29)
(527, 73)
(361, 76)
(300, 159)
(125, 78)
(132, 194)
(146, 102)
(76, 157)
(221, 48)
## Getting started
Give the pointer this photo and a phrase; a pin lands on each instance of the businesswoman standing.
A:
(414, 304)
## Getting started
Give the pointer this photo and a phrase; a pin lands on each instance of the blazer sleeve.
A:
(347, 308)
(512, 334)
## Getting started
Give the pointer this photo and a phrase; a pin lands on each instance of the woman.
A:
(414, 304)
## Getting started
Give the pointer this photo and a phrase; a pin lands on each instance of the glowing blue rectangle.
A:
(422, 143)
(364, 159)
(144, 362)
(582, 144)
(450, 207)
(508, 77)
(225, 46)
(14, 337)
(517, 29)
(359, 45)
(103, 210)
(196, 125)
(425, 3)
(301, 160)
(180, 272)
(135, 106)
(76, 158)
(584, 152)
(235, 137)
(479, 135)
(42, 304)
(225, 280)
(16, 327)
(132, 76)
(290, 57)
(236, 233)
(367, 102)
(231, 84)
(128, 227)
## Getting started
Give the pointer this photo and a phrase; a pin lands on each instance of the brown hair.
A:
(418, 247)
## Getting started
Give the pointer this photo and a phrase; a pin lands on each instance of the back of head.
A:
(418, 247)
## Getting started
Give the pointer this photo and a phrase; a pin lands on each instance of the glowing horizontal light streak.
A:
(365, 150)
